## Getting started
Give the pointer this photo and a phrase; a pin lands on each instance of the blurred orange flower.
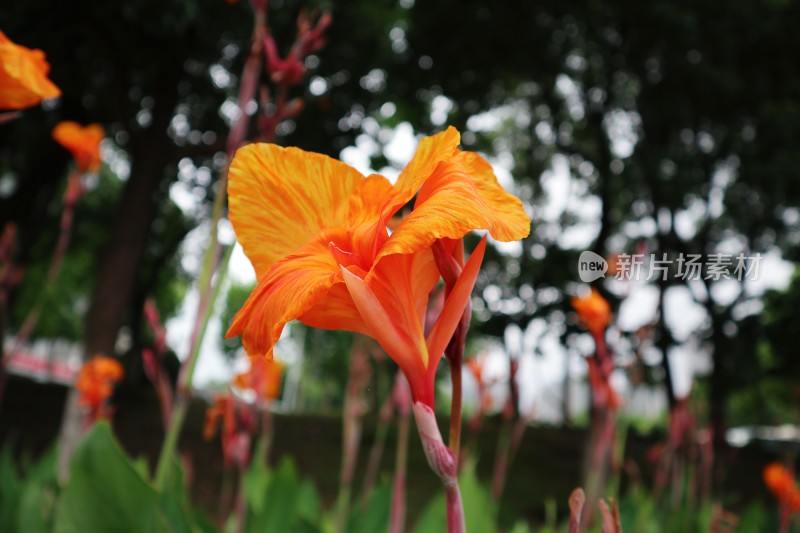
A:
(593, 311)
(95, 383)
(475, 365)
(221, 410)
(23, 76)
(263, 378)
(82, 142)
(235, 437)
(782, 484)
(315, 231)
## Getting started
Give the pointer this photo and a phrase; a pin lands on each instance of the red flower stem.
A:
(397, 518)
(456, 406)
(442, 462)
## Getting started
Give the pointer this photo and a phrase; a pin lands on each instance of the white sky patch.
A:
(116, 159)
(682, 369)
(241, 270)
(400, 149)
(556, 184)
(639, 307)
(774, 273)
(440, 109)
(688, 220)
(578, 236)
(683, 316)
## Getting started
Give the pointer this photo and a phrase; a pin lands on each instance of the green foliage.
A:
(106, 492)
(274, 499)
(375, 515)
(27, 501)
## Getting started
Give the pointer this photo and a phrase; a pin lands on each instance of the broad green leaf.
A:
(280, 500)
(375, 516)
(38, 496)
(105, 492)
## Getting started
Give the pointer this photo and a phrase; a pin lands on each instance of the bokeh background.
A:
(660, 127)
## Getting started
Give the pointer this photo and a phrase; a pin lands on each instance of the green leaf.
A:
(278, 510)
(309, 508)
(375, 516)
(106, 492)
(9, 490)
(39, 493)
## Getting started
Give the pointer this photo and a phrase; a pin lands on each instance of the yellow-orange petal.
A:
(281, 198)
(462, 195)
(23, 76)
(83, 142)
(291, 287)
(336, 311)
(430, 152)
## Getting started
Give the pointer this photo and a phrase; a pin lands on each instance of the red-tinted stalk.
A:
(442, 462)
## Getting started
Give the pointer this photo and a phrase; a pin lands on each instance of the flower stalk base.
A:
(443, 463)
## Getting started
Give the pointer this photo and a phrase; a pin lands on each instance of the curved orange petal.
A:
(336, 311)
(392, 301)
(291, 287)
(456, 302)
(23, 76)
(430, 152)
(462, 195)
(281, 198)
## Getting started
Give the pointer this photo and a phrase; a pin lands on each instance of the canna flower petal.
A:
(291, 287)
(462, 195)
(430, 152)
(456, 302)
(23, 76)
(392, 303)
(82, 142)
(281, 198)
(316, 232)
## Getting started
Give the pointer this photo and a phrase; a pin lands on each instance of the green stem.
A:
(179, 409)
(181, 405)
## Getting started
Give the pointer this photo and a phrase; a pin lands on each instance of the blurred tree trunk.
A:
(151, 150)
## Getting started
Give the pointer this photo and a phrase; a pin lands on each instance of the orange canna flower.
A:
(593, 311)
(82, 142)
(263, 378)
(95, 383)
(315, 231)
(782, 484)
(23, 76)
